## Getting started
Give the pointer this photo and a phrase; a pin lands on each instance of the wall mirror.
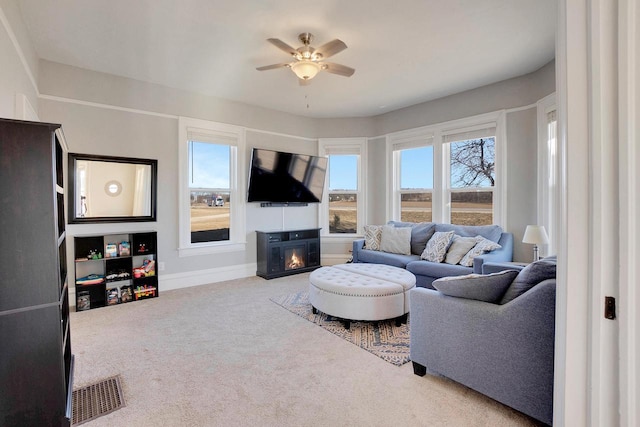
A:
(111, 189)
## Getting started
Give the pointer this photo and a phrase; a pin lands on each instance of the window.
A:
(548, 206)
(211, 187)
(210, 191)
(343, 193)
(342, 212)
(448, 172)
(472, 179)
(416, 184)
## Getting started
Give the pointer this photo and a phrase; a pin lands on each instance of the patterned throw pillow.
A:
(483, 246)
(372, 237)
(437, 246)
(459, 247)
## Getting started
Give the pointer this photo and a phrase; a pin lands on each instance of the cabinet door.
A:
(28, 238)
(31, 375)
(275, 259)
(314, 253)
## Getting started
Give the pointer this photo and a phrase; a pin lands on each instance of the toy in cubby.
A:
(125, 248)
(147, 269)
(144, 291)
(110, 250)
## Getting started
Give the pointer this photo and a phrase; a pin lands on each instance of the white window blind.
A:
(485, 131)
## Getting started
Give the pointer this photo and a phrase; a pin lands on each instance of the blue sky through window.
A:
(416, 168)
(343, 172)
(208, 165)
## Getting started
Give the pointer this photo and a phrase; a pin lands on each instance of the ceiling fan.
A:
(308, 61)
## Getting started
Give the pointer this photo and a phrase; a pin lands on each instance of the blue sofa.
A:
(425, 271)
(503, 350)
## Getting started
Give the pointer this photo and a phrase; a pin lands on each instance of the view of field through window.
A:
(210, 201)
(343, 197)
(472, 165)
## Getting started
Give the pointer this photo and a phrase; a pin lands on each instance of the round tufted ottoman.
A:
(361, 291)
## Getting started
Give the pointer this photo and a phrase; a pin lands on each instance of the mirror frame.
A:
(74, 219)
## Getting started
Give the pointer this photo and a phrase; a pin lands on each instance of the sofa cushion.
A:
(459, 248)
(372, 236)
(379, 257)
(530, 276)
(437, 246)
(483, 245)
(421, 232)
(487, 288)
(490, 232)
(396, 240)
(433, 269)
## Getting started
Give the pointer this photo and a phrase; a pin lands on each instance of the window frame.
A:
(446, 149)
(235, 135)
(435, 135)
(548, 213)
(344, 146)
(420, 142)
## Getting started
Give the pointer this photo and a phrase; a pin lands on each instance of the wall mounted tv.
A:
(279, 179)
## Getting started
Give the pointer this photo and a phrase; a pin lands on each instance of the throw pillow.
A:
(489, 232)
(421, 232)
(372, 236)
(396, 240)
(459, 248)
(437, 246)
(530, 276)
(487, 288)
(481, 247)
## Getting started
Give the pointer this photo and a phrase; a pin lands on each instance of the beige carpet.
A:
(224, 355)
(384, 339)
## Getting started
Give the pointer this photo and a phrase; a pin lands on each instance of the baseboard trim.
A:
(335, 259)
(167, 282)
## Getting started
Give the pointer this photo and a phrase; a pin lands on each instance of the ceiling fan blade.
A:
(339, 69)
(331, 48)
(283, 46)
(272, 66)
(304, 82)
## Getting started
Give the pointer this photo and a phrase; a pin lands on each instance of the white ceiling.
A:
(405, 51)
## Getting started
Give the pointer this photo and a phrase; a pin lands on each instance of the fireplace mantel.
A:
(281, 253)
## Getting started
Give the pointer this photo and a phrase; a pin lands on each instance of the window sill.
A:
(211, 249)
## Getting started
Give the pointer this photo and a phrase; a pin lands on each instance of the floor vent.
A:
(96, 400)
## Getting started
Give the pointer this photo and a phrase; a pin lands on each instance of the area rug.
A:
(384, 339)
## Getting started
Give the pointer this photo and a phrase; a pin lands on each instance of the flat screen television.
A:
(285, 178)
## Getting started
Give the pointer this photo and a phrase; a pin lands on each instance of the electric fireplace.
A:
(281, 253)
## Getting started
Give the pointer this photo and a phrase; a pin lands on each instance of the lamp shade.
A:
(305, 69)
(535, 234)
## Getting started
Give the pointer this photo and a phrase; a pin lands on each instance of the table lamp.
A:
(537, 235)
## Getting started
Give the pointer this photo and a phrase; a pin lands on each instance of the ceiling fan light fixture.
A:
(305, 69)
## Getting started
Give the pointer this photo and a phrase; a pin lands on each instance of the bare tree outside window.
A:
(472, 181)
(473, 163)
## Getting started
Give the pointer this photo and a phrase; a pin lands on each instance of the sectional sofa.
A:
(427, 271)
(493, 334)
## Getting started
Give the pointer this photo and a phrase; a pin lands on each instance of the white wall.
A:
(19, 63)
(521, 178)
(110, 115)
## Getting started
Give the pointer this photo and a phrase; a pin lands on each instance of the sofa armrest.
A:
(496, 267)
(504, 254)
(358, 245)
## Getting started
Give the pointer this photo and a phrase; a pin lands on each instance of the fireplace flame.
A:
(294, 261)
